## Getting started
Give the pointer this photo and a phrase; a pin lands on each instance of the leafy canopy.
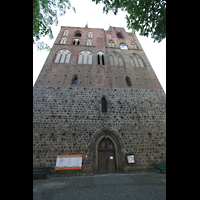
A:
(148, 16)
(44, 15)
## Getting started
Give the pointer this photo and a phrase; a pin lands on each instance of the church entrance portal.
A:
(106, 145)
(106, 156)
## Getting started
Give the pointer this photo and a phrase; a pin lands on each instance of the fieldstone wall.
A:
(65, 119)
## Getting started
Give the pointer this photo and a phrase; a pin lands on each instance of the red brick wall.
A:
(60, 74)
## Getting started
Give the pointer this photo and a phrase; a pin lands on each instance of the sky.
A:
(87, 10)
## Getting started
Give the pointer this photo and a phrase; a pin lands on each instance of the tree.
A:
(44, 15)
(148, 16)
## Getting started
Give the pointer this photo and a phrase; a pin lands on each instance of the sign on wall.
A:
(130, 158)
(69, 162)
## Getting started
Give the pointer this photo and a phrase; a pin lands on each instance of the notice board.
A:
(69, 162)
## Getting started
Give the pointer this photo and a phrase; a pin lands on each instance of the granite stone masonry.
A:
(67, 113)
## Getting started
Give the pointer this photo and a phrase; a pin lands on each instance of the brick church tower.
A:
(97, 95)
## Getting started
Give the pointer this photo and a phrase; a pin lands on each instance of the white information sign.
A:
(65, 162)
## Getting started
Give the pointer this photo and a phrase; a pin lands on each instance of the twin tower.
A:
(97, 95)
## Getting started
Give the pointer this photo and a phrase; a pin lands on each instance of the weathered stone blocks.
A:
(66, 119)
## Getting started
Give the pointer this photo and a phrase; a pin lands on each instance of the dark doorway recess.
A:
(106, 156)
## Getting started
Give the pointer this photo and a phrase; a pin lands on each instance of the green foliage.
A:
(148, 16)
(44, 15)
(43, 46)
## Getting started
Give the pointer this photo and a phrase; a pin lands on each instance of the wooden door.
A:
(106, 156)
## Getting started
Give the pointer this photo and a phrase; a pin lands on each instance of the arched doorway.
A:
(106, 156)
(114, 146)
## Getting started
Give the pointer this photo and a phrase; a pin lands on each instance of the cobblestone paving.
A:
(137, 186)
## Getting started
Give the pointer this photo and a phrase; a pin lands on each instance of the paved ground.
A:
(137, 186)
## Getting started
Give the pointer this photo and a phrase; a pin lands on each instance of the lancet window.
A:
(63, 40)
(85, 57)
(128, 81)
(63, 56)
(109, 36)
(90, 34)
(116, 59)
(100, 58)
(76, 42)
(74, 79)
(134, 45)
(65, 33)
(111, 43)
(89, 42)
(136, 61)
(104, 104)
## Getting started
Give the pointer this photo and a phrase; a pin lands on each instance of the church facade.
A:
(97, 95)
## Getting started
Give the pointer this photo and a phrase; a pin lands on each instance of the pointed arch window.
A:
(66, 33)
(116, 59)
(111, 43)
(85, 57)
(77, 34)
(63, 40)
(63, 56)
(131, 37)
(74, 80)
(111, 60)
(90, 34)
(128, 81)
(136, 61)
(134, 45)
(89, 42)
(108, 35)
(104, 104)
(100, 58)
(141, 62)
(119, 35)
(123, 46)
(76, 41)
